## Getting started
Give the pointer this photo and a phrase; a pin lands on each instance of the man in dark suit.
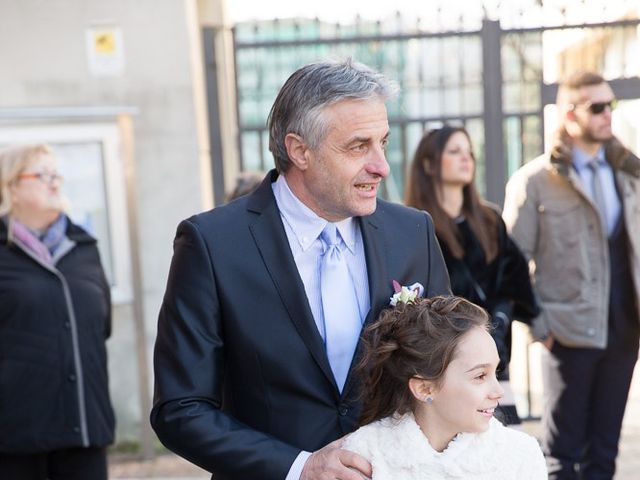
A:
(252, 365)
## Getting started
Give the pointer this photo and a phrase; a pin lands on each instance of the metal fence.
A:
(495, 81)
(495, 72)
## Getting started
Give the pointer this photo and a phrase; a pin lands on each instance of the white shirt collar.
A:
(305, 224)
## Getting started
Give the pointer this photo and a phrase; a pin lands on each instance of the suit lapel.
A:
(270, 237)
(380, 287)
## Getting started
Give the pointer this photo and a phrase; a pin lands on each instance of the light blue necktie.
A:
(598, 192)
(341, 313)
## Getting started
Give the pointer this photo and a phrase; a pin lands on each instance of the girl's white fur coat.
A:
(398, 450)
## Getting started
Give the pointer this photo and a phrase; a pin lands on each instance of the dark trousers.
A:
(586, 393)
(68, 464)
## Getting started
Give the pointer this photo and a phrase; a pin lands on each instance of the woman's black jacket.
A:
(502, 287)
(53, 362)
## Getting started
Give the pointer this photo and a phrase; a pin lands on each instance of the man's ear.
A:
(297, 150)
(421, 388)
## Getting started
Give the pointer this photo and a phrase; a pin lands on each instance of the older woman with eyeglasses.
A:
(56, 417)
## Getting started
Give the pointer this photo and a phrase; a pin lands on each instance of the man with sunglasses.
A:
(575, 212)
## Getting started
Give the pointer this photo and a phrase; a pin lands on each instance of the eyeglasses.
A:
(44, 177)
(598, 107)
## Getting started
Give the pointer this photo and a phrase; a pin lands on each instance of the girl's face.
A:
(469, 393)
(457, 165)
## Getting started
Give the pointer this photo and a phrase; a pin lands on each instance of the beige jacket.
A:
(558, 228)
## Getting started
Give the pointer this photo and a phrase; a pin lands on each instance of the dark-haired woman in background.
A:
(485, 266)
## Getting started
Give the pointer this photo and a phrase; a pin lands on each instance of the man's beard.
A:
(589, 137)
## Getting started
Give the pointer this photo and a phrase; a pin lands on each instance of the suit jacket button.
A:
(343, 410)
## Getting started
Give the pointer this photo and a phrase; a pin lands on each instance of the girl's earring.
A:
(428, 400)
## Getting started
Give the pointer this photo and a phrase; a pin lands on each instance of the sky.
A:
(331, 10)
(344, 11)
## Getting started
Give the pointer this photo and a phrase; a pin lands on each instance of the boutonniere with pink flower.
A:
(405, 294)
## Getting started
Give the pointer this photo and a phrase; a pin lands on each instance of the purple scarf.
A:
(45, 246)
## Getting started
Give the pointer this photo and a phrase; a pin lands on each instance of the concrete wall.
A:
(44, 64)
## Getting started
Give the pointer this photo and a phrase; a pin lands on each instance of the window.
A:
(90, 159)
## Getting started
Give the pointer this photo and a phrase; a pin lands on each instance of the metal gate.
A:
(500, 83)
(489, 79)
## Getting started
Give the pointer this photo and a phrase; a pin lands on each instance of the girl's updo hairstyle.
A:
(416, 339)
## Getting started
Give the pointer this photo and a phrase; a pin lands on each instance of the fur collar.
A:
(412, 448)
(619, 156)
(398, 450)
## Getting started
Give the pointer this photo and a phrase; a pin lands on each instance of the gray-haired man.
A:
(253, 361)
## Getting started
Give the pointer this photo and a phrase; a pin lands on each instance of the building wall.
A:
(44, 64)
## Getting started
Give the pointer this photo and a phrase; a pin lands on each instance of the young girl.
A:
(430, 392)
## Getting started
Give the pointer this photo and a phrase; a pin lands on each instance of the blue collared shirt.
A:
(581, 164)
(303, 228)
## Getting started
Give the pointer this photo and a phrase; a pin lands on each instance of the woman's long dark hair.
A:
(411, 339)
(424, 183)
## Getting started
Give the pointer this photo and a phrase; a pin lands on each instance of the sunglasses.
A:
(598, 107)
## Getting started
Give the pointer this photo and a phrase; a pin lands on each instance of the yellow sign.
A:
(105, 42)
(105, 52)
